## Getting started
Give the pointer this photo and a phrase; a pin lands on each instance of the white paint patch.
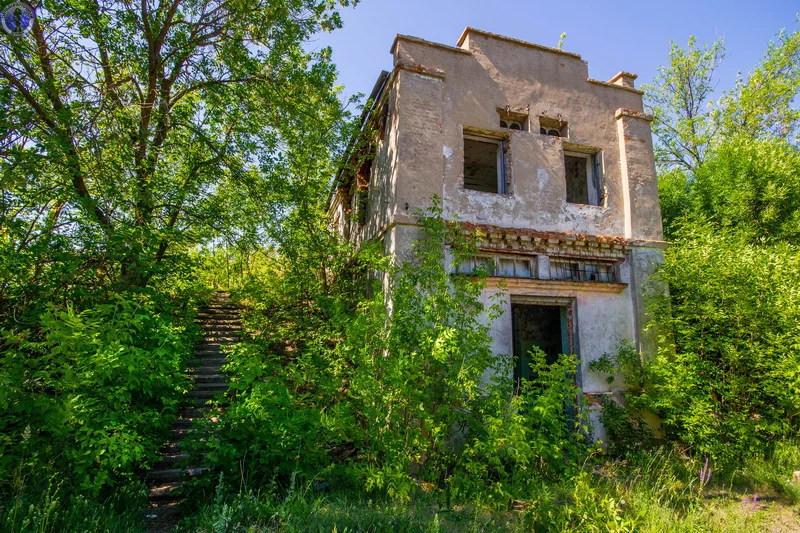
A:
(542, 177)
(447, 151)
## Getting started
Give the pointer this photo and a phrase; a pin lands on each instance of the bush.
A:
(346, 389)
(90, 394)
(725, 381)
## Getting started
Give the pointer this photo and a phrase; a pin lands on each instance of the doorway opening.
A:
(543, 326)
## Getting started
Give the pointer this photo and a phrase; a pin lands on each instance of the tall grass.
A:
(655, 492)
(44, 505)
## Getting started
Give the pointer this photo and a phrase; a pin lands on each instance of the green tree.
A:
(134, 131)
(680, 99)
(764, 104)
(725, 381)
(690, 120)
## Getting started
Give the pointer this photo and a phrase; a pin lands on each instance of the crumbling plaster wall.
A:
(443, 89)
(436, 90)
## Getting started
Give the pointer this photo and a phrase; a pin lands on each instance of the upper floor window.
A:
(583, 175)
(512, 119)
(484, 164)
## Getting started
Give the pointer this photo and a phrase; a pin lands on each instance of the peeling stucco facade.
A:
(434, 96)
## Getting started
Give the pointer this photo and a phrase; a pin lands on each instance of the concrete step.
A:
(217, 307)
(211, 351)
(208, 365)
(201, 412)
(171, 459)
(222, 331)
(218, 340)
(205, 362)
(164, 492)
(212, 386)
(218, 319)
(203, 394)
(208, 402)
(175, 475)
(182, 423)
(226, 326)
(208, 377)
(221, 337)
(178, 434)
(171, 447)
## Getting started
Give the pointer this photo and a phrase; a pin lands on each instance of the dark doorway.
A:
(544, 326)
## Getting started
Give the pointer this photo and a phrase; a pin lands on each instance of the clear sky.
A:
(612, 35)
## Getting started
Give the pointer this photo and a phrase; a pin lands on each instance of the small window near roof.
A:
(555, 127)
(484, 164)
(510, 124)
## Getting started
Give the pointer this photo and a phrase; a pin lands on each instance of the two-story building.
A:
(553, 167)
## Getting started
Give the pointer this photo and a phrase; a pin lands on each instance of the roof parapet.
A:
(468, 30)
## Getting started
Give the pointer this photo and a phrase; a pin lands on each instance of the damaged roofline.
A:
(374, 96)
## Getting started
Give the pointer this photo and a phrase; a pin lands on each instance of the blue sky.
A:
(610, 35)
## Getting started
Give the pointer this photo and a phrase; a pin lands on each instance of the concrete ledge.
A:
(632, 113)
(517, 286)
(417, 40)
(615, 86)
(422, 70)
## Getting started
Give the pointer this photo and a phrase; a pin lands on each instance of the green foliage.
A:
(678, 99)
(725, 378)
(91, 393)
(650, 492)
(625, 424)
(537, 434)
(690, 121)
(763, 104)
(131, 135)
(350, 391)
(751, 187)
(725, 381)
(43, 505)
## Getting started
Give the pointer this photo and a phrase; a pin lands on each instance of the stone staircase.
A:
(221, 326)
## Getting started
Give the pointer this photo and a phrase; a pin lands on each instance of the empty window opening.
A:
(508, 267)
(541, 326)
(484, 164)
(582, 173)
(575, 270)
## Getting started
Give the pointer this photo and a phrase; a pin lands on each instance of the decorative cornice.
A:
(519, 286)
(615, 86)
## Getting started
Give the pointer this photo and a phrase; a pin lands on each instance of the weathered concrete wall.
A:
(446, 89)
(436, 92)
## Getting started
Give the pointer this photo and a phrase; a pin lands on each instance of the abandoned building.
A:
(555, 170)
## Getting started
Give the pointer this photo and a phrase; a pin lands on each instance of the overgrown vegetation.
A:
(131, 137)
(192, 148)
(348, 392)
